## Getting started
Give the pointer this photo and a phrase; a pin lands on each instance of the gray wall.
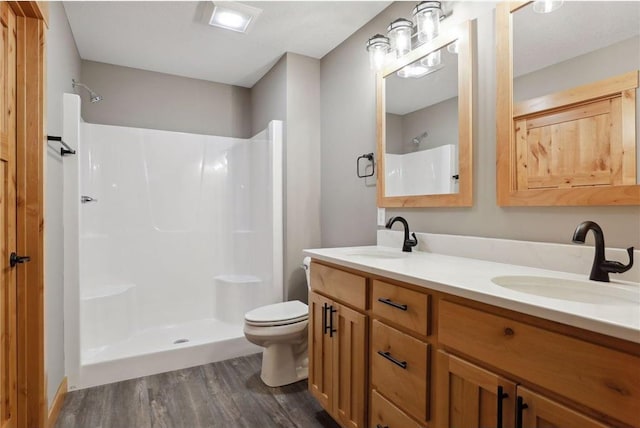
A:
(348, 129)
(63, 64)
(302, 158)
(290, 91)
(146, 99)
(269, 97)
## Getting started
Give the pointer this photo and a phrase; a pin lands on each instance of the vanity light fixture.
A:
(233, 16)
(405, 35)
(546, 6)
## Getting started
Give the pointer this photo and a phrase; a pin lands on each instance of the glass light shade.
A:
(399, 32)
(546, 6)
(427, 16)
(377, 46)
(414, 70)
(431, 60)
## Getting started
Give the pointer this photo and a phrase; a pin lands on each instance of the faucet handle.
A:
(412, 242)
(617, 267)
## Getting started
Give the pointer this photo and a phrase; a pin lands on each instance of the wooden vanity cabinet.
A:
(337, 346)
(404, 356)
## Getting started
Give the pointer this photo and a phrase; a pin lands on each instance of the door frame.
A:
(31, 25)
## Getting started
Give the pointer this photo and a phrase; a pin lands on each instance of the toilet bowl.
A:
(281, 329)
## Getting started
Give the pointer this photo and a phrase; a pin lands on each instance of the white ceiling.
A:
(173, 37)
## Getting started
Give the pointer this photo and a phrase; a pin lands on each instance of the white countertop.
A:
(471, 278)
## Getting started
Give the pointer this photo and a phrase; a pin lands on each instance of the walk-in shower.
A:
(169, 239)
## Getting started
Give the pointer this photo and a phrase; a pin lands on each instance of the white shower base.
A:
(153, 351)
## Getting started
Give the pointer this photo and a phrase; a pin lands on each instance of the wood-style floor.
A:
(224, 394)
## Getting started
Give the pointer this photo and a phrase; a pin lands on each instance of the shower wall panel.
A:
(173, 212)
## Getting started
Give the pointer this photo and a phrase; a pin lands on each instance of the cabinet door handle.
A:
(380, 426)
(520, 407)
(15, 259)
(324, 318)
(387, 355)
(394, 304)
(501, 396)
(331, 329)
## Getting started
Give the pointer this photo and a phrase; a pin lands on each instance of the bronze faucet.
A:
(601, 267)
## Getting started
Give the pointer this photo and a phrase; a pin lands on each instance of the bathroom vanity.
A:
(404, 340)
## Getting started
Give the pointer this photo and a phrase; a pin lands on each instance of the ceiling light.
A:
(233, 16)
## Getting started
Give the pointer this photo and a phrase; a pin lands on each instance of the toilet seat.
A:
(278, 314)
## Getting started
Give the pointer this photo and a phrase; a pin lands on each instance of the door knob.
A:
(14, 259)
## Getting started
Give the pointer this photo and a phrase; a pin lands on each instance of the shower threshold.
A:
(161, 349)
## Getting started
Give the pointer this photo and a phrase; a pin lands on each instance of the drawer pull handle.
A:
(394, 304)
(501, 396)
(508, 331)
(387, 355)
(380, 426)
(520, 407)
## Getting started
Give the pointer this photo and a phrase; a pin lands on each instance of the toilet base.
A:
(282, 365)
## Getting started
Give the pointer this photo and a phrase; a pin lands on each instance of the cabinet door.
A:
(350, 363)
(320, 351)
(468, 396)
(541, 412)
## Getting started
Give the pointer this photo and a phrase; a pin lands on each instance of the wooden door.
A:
(349, 389)
(8, 202)
(541, 412)
(320, 351)
(468, 396)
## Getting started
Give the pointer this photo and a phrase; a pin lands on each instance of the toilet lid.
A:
(278, 313)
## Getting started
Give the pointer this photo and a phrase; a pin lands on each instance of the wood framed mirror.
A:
(567, 104)
(424, 124)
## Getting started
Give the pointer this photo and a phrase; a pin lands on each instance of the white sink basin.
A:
(377, 253)
(603, 293)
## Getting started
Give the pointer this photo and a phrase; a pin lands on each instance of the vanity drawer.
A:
(385, 414)
(406, 307)
(604, 379)
(344, 286)
(399, 368)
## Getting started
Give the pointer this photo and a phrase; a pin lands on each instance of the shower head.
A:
(417, 140)
(93, 97)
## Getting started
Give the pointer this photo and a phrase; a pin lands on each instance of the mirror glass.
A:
(567, 104)
(580, 43)
(421, 135)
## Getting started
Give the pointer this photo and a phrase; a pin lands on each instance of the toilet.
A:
(281, 329)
